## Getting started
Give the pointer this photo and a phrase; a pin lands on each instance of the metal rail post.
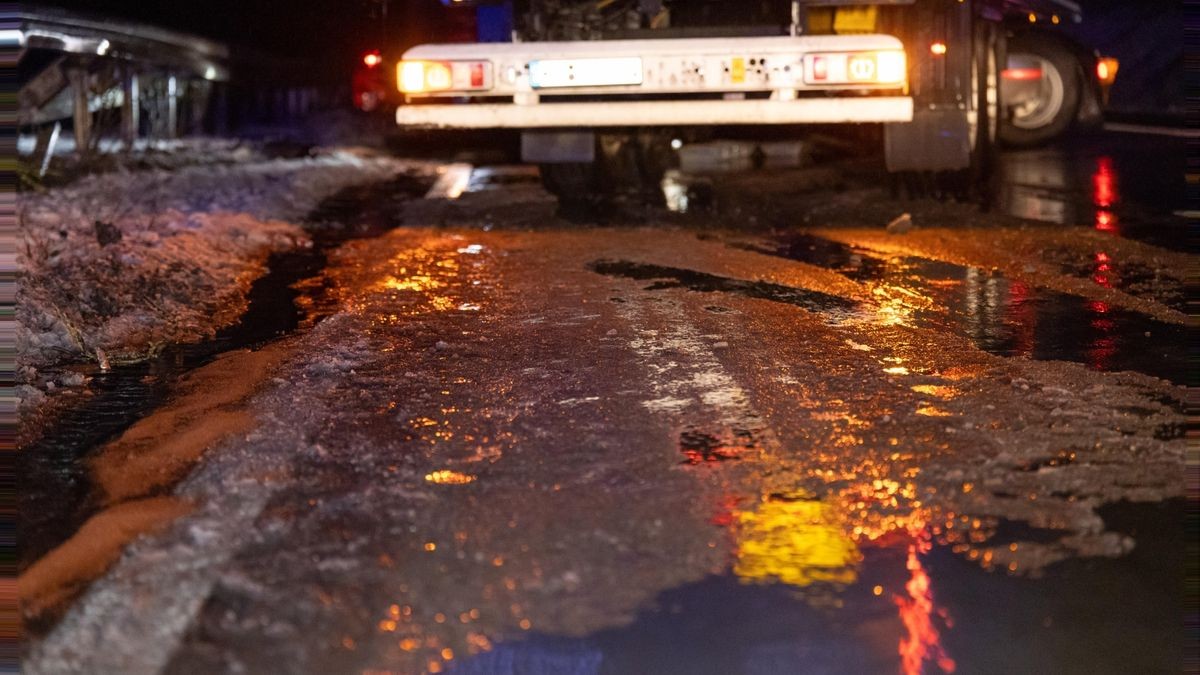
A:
(78, 77)
(131, 106)
(172, 121)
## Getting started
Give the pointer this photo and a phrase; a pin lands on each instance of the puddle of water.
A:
(1125, 185)
(674, 277)
(1006, 317)
(923, 612)
(56, 497)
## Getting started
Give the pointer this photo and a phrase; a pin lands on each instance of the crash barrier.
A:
(102, 73)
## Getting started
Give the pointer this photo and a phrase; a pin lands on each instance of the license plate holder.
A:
(585, 72)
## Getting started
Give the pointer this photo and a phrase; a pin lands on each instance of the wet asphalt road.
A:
(766, 437)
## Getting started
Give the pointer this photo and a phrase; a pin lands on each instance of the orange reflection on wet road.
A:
(447, 477)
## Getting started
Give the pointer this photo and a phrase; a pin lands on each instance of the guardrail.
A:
(85, 66)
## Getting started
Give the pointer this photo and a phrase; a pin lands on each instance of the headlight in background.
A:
(421, 77)
(887, 66)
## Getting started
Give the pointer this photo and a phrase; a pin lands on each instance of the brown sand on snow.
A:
(63, 572)
(149, 457)
(160, 449)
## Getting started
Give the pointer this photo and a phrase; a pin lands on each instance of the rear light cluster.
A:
(878, 67)
(418, 77)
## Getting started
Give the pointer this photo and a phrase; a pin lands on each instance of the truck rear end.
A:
(926, 69)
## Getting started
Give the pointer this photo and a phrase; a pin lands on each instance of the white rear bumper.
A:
(657, 113)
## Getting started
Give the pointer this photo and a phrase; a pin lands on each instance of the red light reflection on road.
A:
(1022, 316)
(917, 611)
(1101, 349)
(1104, 183)
(1103, 270)
(1105, 194)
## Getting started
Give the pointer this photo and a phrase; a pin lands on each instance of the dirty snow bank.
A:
(116, 265)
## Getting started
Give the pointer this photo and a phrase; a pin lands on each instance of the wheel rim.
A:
(1042, 109)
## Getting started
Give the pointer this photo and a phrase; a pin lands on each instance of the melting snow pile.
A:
(116, 265)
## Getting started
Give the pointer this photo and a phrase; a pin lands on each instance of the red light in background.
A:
(372, 59)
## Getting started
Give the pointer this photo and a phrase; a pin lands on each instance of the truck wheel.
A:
(573, 181)
(1049, 112)
(626, 164)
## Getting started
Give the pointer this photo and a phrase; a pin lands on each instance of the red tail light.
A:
(820, 68)
(372, 59)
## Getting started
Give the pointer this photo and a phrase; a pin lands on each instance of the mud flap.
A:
(558, 147)
(935, 140)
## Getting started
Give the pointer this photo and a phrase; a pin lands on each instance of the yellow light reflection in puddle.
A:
(937, 390)
(893, 313)
(447, 477)
(442, 303)
(896, 370)
(416, 282)
(897, 305)
(931, 411)
(796, 542)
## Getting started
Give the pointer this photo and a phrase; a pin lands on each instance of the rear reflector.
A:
(1106, 70)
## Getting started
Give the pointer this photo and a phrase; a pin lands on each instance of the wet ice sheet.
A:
(336, 539)
(998, 314)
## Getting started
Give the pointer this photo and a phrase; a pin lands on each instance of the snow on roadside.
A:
(116, 265)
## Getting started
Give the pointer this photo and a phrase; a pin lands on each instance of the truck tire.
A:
(1054, 110)
(625, 164)
(573, 181)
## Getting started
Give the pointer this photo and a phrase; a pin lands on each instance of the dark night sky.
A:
(332, 34)
(305, 27)
(333, 30)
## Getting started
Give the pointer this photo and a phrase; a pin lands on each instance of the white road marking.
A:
(687, 378)
(1177, 132)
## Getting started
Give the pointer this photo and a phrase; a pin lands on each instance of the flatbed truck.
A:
(588, 87)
